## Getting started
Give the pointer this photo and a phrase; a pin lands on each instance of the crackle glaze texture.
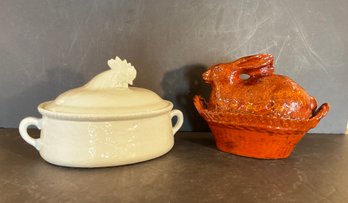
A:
(262, 116)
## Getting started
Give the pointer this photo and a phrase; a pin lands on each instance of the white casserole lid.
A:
(108, 94)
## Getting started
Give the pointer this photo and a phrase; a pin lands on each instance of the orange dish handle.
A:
(319, 114)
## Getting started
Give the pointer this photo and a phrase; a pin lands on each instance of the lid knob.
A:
(121, 74)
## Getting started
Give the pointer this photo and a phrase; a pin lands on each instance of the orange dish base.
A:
(257, 136)
(262, 145)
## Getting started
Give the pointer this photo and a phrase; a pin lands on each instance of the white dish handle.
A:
(180, 120)
(23, 126)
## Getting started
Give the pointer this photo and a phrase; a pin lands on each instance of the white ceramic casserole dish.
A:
(104, 123)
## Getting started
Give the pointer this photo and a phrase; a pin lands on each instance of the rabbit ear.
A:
(254, 61)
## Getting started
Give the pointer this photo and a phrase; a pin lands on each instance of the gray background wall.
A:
(48, 47)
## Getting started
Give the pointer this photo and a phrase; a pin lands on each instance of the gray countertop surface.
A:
(193, 171)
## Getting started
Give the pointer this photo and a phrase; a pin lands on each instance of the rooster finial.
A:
(121, 74)
(125, 71)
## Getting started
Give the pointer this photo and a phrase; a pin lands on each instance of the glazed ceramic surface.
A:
(262, 116)
(104, 123)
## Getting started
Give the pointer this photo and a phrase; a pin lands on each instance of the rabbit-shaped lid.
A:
(108, 93)
(263, 93)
